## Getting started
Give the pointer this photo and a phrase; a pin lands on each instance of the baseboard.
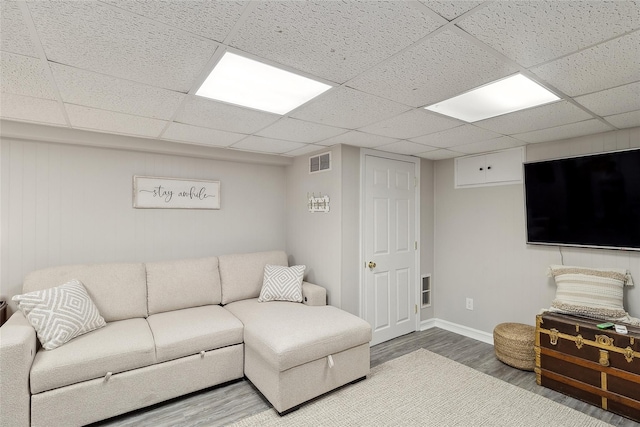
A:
(428, 324)
(458, 329)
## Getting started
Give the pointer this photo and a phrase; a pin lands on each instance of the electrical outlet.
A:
(469, 303)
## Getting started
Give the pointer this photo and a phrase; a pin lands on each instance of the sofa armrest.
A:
(17, 351)
(313, 294)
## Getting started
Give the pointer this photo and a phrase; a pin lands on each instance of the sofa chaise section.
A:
(293, 352)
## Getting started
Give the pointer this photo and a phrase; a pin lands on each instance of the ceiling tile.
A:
(545, 116)
(307, 149)
(439, 154)
(18, 107)
(501, 143)
(613, 101)
(120, 43)
(433, 70)
(332, 40)
(210, 19)
(465, 134)
(610, 64)
(23, 75)
(124, 66)
(267, 145)
(109, 93)
(563, 132)
(451, 9)
(16, 37)
(217, 115)
(299, 131)
(532, 32)
(359, 139)
(405, 147)
(112, 122)
(625, 120)
(200, 135)
(348, 108)
(411, 124)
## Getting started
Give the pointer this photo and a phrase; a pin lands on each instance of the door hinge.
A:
(415, 182)
(416, 245)
(416, 308)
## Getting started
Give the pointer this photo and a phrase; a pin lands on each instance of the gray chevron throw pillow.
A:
(60, 314)
(282, 283)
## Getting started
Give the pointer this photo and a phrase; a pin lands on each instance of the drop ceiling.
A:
(132, 67)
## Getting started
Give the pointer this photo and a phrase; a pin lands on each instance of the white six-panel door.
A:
(389, 291)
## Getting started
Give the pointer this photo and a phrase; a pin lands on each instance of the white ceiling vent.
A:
(320, 163)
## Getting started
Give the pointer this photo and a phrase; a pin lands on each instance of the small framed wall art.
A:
(150, 192)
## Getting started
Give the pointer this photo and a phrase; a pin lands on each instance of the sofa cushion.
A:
(289, 334)
(118, 347)
(60, 314)
(282, 283)
(241, 275)
(118, 290)
(192, 330)
(173, 285)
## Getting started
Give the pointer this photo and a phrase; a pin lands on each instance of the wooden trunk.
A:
(597, 366)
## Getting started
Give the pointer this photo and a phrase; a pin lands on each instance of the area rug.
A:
(426, 389)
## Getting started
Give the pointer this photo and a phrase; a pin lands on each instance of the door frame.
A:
(364, 152)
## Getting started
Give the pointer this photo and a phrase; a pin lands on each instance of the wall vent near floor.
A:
(425, 291)
(320, 163)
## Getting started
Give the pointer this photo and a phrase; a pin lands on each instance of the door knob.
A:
(372, 264)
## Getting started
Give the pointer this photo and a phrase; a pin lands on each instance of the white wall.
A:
(66, 204)
(480, 249)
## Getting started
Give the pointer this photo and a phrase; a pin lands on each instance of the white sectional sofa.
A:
(173, 328)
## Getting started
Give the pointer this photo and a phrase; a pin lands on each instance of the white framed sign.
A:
(150, 192)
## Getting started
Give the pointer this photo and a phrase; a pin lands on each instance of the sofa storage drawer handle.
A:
(330, 361)
(202, 354)
(107, 376)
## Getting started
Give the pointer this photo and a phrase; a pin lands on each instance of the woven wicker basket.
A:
(514, 345)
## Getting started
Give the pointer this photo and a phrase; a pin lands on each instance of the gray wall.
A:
(66, 204)
(350, 229)
(329, 244)
(480, 249)
(427, 231)
(314, 239)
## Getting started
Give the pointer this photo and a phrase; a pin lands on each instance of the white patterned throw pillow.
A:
(282, 283)
(590, 292)
(60, 314)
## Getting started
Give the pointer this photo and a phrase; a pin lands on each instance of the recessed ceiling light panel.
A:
(504, 96)
(248, 83)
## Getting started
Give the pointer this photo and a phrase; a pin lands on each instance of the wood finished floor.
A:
(222, 405)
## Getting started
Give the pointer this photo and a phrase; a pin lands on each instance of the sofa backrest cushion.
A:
(174, 285)
(118, 290)
(241, 275)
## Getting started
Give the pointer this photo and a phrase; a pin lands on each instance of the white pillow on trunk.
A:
(590, 292)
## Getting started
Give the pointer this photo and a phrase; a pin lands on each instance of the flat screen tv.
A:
(591, 201)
